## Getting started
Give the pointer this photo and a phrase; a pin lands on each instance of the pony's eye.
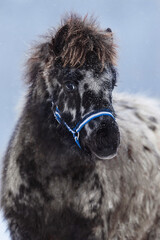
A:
(70, 86)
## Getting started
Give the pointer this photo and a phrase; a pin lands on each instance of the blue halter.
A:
(76, 130)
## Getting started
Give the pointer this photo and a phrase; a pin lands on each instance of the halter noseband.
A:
(76, 130)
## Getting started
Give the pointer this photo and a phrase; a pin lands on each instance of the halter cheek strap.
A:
(76, 130)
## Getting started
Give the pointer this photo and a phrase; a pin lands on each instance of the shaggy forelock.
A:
(79, 37)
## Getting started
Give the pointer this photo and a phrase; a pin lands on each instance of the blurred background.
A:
(136, 24)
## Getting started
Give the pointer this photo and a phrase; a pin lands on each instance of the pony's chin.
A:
(102, 154)
(102, 157)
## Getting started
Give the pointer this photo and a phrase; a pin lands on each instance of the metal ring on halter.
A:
(76, 135)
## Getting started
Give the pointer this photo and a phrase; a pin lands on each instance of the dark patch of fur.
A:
(146, 148)
(130, 153)
(138, 116)
(153, 119)
(152, 127)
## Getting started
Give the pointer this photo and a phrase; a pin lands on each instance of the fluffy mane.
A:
(76, 38)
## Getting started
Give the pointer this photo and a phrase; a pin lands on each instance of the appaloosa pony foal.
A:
(75, 170)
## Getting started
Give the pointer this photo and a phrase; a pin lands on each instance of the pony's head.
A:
(76, 66)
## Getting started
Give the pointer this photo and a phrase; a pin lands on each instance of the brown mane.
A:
(79, 37)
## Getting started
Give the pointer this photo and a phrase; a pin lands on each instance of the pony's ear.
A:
(59, 40)
(108, 30)
(109, 36)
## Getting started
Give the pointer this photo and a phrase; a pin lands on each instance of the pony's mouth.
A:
(99, 155)
(102, 157)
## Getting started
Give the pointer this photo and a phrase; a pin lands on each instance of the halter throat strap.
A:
(76, 130)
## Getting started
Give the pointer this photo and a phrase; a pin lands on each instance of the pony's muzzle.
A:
(105, 139)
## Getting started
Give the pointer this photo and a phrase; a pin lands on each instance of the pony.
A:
(82, 164)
